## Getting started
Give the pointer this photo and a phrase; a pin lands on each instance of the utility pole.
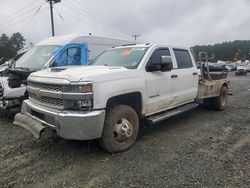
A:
(51, 14)
(135, 36)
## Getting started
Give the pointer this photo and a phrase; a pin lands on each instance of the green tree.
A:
(226, 51)
(17, 41)
(9, 46)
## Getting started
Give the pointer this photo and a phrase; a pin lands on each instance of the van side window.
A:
(156, 56)
(70, 57)
(183, 58)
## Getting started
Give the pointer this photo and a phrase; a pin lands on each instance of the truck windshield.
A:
(36, 57)
(123, 57)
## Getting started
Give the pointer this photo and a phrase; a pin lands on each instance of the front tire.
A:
(120, 129)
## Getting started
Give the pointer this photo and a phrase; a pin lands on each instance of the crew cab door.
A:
(159, 88)
(184, 78)
(71, 55)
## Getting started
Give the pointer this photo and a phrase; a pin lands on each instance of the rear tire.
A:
(220, 102)
(120, 129)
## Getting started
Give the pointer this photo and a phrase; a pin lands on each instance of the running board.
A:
(171, 113)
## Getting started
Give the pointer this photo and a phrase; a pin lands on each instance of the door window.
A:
(183, 59)
(156, 56)
(70, 57)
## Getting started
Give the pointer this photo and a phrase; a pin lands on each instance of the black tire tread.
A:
(106, 142)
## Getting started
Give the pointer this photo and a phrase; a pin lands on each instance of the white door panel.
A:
(185, 82)
(158, 85)
(159, 91)
(185, 85)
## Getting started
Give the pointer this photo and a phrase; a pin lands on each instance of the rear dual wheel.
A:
(220, 102)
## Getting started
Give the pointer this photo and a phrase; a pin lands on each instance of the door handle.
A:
(195, 73)
(174, 76)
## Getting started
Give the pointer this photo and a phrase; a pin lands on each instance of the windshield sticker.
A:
(127, 52)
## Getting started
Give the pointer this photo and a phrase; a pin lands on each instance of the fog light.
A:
(84, 103)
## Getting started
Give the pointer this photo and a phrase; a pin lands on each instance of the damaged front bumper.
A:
(10, 104)
(73, 125)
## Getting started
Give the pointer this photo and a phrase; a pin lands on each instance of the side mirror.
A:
(153, 68)
(166, 63)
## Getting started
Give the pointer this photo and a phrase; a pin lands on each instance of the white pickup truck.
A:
(107, 99)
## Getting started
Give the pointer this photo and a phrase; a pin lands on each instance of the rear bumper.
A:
(71, 125)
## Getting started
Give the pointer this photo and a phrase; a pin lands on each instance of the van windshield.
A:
(123, 57)
(36, 57)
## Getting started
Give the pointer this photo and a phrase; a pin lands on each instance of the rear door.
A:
(184, 77)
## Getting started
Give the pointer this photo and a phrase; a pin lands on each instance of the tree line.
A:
(9, 46)
(238, 50)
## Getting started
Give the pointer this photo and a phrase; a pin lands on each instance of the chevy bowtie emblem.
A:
(38, 92)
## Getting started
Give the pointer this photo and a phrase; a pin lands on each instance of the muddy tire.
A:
(220, 102)
(120, 129)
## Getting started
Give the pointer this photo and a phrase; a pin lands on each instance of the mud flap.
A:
(33, 126)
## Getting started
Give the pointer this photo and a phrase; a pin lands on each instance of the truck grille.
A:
(47, 87)
(58, 103)
(1, 90)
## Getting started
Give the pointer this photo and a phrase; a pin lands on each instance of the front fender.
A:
(106, 90)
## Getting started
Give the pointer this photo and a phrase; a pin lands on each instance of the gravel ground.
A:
(201, 148)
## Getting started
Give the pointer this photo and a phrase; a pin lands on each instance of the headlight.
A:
(84, 89)
(81, 88)
(84, 96)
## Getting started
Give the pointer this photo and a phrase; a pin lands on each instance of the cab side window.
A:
(183, 58)
(70, 57)
(156, 56)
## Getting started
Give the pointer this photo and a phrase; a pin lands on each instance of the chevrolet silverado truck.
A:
(107, 99)
(67, 50)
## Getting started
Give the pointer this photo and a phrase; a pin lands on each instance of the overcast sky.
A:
(182, 22)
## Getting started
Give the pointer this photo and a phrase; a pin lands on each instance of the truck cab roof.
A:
(78, 39)
(147, 45)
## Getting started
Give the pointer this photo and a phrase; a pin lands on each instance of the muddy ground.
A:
(201, 148)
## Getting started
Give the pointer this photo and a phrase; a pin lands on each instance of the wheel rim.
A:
(123, 130)
(223, 97)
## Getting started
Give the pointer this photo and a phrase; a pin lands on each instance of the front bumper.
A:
(10, 103)
(73, 125)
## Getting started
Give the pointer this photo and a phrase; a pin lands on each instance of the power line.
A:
(80, 11)
(61, 17)
(90, 23)
(18, 13)
(32, 17)
(19, 18)
(95, 14)
(19, 21)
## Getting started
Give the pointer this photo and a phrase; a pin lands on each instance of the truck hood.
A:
(84, 73)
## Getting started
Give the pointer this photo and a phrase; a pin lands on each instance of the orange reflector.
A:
(86, 89)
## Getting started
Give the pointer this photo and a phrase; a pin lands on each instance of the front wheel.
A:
(120, 129)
